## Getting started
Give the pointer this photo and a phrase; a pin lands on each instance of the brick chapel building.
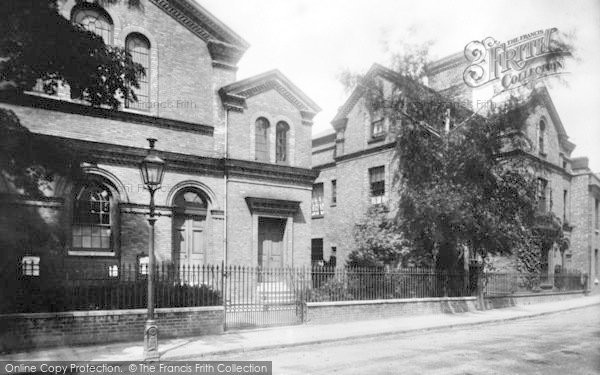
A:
(356, 169)
(237, 187)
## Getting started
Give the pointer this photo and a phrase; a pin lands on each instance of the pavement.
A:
(194, 348)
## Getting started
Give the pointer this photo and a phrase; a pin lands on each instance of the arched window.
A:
(190, 200)
(92, 223)
(281, 142)
(96, 20)
(541, 135)
(139, 48)
(261, 131)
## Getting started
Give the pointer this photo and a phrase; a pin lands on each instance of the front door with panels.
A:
(190, 232)
(190, 239)
(270, 242)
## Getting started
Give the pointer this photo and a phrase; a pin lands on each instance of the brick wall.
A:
(274, 107)
(181, 83)
(330, 312)
(353, 190)
(28, 331)
(242, 223)
(95, 129)
(497, 302)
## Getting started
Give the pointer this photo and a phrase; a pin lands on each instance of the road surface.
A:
(563, 343)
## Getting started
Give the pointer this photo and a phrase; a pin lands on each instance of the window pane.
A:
(96, 22)
(96, 242)
(30, 266)
(86, 242)
(76, 241)
(377, 181)
(317, 207)
(281, 138)
(333, 191)
(261, 139)
(139, 48)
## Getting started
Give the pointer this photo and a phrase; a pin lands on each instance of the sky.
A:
(312, 41)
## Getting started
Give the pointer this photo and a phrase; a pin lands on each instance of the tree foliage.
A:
(458, 188)
(378, 242)
(37, 42)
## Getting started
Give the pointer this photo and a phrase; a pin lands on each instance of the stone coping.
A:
(388, 301)
(160, 310)
(539, 294)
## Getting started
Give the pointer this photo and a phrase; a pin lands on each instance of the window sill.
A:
(145, 112)
(91, 253)
(543, 154)
(333, 204)
(317, 216)
(378, 200)
(377, 138)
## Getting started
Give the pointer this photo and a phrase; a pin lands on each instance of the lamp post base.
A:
(151, 341)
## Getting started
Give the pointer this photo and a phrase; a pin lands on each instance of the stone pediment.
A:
(234, 95)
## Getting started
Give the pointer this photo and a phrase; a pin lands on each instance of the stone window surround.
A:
(272, 133)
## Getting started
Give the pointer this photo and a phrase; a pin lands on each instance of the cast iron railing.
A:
(35, 288)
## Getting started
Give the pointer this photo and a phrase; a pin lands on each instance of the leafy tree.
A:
(378, 242)
(38, 43)
(458, 187)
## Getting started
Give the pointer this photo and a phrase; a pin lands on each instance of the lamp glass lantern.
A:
(152, 168)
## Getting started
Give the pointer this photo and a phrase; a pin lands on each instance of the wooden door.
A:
(270, 242)
(190, 241)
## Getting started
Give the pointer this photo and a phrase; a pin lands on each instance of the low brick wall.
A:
(24, 331)
(498, 302)
(330, 312)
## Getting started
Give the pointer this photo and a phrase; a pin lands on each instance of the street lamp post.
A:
(152, 169)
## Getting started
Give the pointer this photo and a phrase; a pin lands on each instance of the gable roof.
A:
(378, 70)
(234, 95)
(224, 44)
(542, 96)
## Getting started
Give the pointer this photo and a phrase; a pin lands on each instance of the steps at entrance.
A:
(274, 293)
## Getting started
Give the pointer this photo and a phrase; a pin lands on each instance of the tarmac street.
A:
(563, 343)
(540, 338)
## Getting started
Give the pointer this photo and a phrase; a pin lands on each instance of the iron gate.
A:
(260, 297)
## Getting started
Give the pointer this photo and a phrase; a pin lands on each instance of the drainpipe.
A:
(225, 188)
